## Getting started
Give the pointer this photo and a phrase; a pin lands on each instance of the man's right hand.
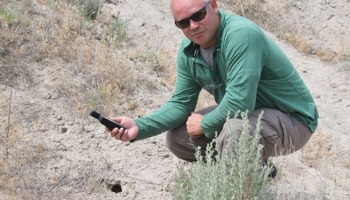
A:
(129, 133)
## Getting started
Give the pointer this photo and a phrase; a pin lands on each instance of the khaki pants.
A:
(281, 134)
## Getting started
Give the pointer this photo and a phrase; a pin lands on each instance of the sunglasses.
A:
(198, 16)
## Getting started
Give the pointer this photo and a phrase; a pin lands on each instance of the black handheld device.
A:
(107, 122)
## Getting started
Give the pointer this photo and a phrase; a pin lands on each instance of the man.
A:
(231, 58)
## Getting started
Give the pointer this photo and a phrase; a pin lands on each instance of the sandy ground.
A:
(83, 160)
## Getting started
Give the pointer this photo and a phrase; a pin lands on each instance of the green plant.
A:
(237, 175)
(8, 17)
(11, 18)
(90, 8)
(117, 33)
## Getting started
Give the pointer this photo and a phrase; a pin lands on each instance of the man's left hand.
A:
(193, 125)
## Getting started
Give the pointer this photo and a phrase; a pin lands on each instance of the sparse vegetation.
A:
(90, 62)
(81, 46)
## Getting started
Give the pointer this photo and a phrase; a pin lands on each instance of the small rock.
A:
(64, 129)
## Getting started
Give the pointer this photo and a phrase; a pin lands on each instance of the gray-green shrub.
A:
(239, 175)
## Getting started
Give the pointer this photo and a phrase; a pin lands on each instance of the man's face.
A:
(200, 31)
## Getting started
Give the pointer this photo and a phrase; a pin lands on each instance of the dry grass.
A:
(98, 59)
(90, 62)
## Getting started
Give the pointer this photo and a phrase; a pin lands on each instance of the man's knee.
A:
(281, 133)
(170, 140)
(180, 145)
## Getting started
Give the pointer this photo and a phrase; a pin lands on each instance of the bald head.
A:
(176, 2)
(199, 20)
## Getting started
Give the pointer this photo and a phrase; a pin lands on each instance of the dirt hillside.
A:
(50, 152)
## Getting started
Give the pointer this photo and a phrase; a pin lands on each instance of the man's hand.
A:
(129, 133)
(193, 125)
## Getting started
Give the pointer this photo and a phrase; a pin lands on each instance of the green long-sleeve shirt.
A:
(249, 72)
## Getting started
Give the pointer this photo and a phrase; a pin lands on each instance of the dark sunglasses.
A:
(198, 16)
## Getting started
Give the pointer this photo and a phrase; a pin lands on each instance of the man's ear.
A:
(214, 5)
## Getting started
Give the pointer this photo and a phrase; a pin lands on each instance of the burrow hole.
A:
(116, 188)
